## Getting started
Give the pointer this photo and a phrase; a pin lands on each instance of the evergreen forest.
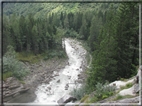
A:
(109, 30)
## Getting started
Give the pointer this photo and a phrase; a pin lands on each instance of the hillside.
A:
(108, 32)
(40, 10)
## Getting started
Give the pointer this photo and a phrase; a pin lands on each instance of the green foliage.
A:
(7, 75)
(95, 29)
(84, 98)
(13, 67)
(110, 30)
(127, 86)
(21, 81)
(127, 31)
(54, 53)
(71, 33)
(118, 97)
(29, 57)
(102, 91)
(79, 93)
(112, 56)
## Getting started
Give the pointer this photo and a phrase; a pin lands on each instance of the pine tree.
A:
(127, 37)
(83, 30)
(66, 22)
(6, 34)
(96, 25)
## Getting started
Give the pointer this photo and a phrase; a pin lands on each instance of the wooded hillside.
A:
(110, 30)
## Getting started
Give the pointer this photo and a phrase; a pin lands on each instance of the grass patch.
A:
(127, 86)
(10, 74)
(123, 79)
(29, 57)
(84, 98)
(119, 97)
(7, 75)
(21, 81)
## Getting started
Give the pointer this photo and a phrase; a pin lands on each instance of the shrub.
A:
(129, 85)
(118, 97)
(11, 66)
(71, 33)
(79, 93)
(102, 91)
(55, 53)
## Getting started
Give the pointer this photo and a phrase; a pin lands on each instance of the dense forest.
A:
(110, 30)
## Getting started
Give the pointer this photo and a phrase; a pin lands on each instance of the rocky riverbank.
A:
(12, 88)
(15, 91)
(43, 72)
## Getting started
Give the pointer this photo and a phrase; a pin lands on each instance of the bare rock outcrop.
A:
(137, 80)
(12, 88)
(126, 102)
(65, 99)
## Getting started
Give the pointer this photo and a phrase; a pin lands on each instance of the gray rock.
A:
(126, 102)
(80, 81)
(136, 88)
(58, 81)
(24, 90)
(12, 88)
(66, 99)
(67, 86)
(5, 86)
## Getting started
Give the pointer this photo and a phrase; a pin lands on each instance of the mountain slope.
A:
(43, 9)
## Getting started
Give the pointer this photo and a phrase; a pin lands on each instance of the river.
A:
(67, 77)
(63, 80)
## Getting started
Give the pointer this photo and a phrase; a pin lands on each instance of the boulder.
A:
(65, 99)
(79, 81)
(128, 91)
(136, 88)
(67, 86)
(136, 80)
(58, 81)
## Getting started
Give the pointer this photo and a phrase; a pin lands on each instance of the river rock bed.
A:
(41, 73)
(44, 71)
(70, 77)
(14, 91)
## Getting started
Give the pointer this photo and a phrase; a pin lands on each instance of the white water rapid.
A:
(52, 92)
